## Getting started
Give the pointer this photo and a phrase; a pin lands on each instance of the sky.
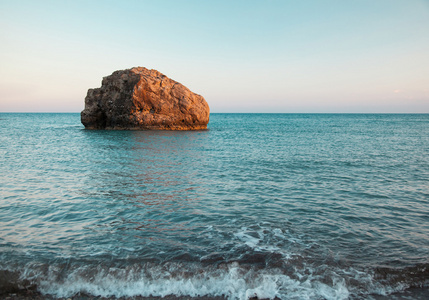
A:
(361, 56)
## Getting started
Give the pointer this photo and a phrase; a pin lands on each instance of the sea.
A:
(267, 206)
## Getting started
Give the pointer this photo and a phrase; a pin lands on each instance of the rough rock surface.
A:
(139, 98)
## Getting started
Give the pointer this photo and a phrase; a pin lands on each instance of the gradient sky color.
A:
(242, 56)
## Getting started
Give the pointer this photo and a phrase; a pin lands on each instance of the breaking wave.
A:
(232, 280)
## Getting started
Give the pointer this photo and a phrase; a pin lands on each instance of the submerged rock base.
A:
(139, 98)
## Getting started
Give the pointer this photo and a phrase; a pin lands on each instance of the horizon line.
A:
(273, 113)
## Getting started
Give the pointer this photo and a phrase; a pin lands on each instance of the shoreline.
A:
(36, 295)
(414, 293)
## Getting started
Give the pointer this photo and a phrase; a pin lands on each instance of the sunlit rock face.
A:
(139, 98)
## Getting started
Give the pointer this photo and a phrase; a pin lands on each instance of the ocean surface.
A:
(293, 206)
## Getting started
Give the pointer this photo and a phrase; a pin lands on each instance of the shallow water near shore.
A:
(288, 206)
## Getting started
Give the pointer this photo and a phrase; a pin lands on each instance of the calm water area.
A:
(288, 206)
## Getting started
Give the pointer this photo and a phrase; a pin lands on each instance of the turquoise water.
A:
(294, 206)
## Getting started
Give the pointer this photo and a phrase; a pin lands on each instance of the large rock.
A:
(139, 98)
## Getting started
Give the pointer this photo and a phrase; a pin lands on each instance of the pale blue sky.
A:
(242, 56)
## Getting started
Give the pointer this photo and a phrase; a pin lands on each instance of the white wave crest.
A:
(232, 281)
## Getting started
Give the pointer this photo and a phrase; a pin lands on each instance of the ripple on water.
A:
(313, 206)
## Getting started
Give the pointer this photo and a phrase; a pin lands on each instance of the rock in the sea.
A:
(139, 98)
